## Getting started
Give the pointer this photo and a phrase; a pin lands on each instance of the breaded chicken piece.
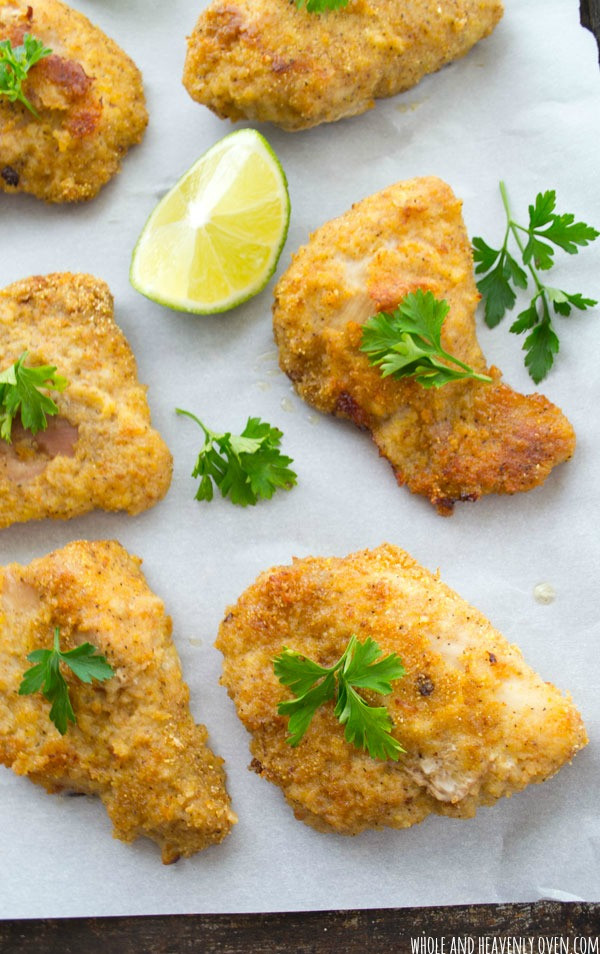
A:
(267, 60)
(89, 98)
(456, 443)
(100, 450)
(476, 722)
(135, 743)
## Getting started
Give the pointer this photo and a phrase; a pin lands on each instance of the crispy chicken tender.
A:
(267, 60)
(89, 98)
(476, 722)
(455, 443)
(135, 743)
(100, 450)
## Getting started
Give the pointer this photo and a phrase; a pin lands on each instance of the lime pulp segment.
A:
(214, 240)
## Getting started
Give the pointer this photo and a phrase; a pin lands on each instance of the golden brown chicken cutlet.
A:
(134, 743)
(475, 721)
(89, 99)
(100, 450)
(458, 442)
(267, 60)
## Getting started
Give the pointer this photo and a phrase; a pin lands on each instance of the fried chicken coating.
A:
(89, 98)
(135, 744)
(456, 443)
(100, 450)
(267, 60)
(476, 722)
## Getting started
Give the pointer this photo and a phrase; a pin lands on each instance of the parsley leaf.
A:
(407, 343)
(15, 63)
(495, 287)
(500, 271)
(302, 709)
(367, 727)
(319, 6)
(562, 230)
(360, 666)
(245, 467)
(541, 346)
(46, 676)
(20, 394)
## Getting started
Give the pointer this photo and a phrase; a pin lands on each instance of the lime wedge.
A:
(214, 240)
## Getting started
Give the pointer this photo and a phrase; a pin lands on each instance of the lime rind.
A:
(197, 252)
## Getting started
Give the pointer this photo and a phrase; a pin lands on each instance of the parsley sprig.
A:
(46, 676)
(20, 394)
(15, 63)
(502, 274)
(319, 6)
(407, 343)
(359, 667)
(245, 467)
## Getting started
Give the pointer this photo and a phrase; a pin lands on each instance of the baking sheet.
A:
(522, 106)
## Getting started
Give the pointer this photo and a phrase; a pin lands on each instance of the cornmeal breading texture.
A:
(268, 60)
(100, 451)
(135, 743)
(456, 443)
(89, 98)
(476, 722)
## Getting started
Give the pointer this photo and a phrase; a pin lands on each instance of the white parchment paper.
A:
(522, 106)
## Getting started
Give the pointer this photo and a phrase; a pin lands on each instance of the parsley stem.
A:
(513, 226)
(23, 99)
(208, 434)
(465, 367)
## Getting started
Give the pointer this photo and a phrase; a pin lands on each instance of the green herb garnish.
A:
(504, 274)
(20, 394)
(407, 343)
(15, 63)
(244, 467)
(46, 676)
(319, 6)
(367, 727)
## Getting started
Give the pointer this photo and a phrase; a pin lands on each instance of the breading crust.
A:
(456, 443)
(90, 102)
(135, 743)
(476, 722)
(117, 461)
(267, 60)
